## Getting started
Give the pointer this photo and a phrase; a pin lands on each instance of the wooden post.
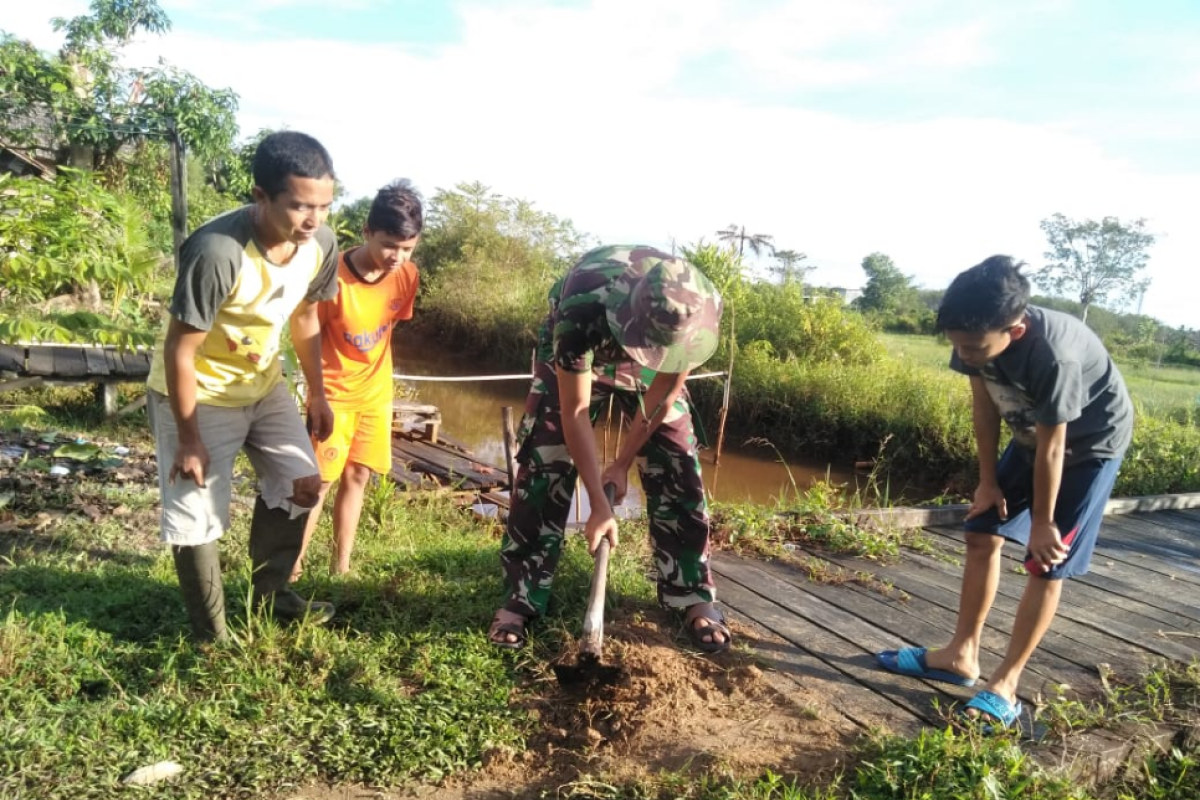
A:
(179, 212)
(510, 446)
(607, 425)
(728, 384)
(109, 396)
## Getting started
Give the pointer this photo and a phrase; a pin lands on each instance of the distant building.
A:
(847, 296)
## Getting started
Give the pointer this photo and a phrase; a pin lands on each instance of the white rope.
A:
(462, 378)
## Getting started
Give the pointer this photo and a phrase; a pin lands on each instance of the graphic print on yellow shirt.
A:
(356, 331)
(226, 286)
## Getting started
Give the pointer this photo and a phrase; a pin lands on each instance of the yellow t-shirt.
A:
(226, 286)
(356, 332)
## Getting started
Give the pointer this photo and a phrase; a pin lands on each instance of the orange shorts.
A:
(361, 434)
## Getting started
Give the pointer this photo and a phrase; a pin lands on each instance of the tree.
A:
(788, 267)
(888, 291)
(758, 241)
(91, 106)
(1096, 262)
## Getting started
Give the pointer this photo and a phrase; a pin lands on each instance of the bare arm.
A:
(306, 338)
(575, 395)
(656, 404)
(179, 358)
(986, 419)
(1045, 540)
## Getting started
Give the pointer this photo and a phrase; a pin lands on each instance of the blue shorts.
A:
(1082, 497)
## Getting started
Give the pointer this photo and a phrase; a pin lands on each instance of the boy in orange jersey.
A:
(377, 283)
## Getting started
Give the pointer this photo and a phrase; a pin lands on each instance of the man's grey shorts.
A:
(274, 437)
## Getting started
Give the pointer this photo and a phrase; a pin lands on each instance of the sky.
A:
(939, 132)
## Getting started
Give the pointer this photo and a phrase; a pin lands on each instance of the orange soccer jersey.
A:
(356, 332)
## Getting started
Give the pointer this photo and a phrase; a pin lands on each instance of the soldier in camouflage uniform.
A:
(626, 322)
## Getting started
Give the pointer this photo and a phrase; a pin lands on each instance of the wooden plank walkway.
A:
(1138, 606)
(418, 463)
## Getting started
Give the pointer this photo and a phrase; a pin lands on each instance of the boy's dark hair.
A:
(285, 154)
(396, 211)
(987, 297)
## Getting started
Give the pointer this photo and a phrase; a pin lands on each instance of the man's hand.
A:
(191, 461)
(320, 417)
(988, 495)
(1046, 545)
(618, 476)
(601, 524)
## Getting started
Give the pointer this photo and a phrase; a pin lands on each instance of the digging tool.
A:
(588, 670)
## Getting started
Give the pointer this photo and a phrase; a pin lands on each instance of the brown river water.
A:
(471, 414)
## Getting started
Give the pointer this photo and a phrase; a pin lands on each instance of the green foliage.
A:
(63, 237)
(844, 412)
(817, 332)
(348, 222)
(1094, 261)
(487, 264)
(1163, 458)
(949, 765)
(84, 97)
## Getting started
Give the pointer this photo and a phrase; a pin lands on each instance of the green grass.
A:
(1160, 391)
(97, 678)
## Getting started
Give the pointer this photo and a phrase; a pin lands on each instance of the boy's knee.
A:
(306, 491)
(984, 543)
(356, 474)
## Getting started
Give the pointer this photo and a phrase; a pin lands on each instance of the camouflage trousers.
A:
(669, 467)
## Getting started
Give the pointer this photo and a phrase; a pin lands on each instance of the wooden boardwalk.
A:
(419, 463)
(1139, 605)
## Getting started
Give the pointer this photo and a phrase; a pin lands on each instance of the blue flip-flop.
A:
(911, 661)
(1001, 714)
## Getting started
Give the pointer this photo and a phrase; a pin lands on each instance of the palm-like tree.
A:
(788, 267)
(758, 241)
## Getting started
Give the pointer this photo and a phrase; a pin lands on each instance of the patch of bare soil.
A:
(40, 486)
(674, 711)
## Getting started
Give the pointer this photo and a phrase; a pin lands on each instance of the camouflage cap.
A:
(665, 313)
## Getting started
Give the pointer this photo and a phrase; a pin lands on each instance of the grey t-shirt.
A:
(1059, 372)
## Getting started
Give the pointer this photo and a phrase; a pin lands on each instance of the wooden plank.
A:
(937, 516)
(96, 363)
(1103, 622)
(113, 361)
(137, 364)
(21, 383)
(40, 362)
(69, 362)
(1133, 597)
(495, 499)
(916, 621)
(448, 463)
(1071, 640)
(869, 710)
(444, 474)
(830, 657)
(12, 358)
(1145, 545)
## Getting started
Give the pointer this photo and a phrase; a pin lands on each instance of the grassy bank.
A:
(912, 414)
(96, 678)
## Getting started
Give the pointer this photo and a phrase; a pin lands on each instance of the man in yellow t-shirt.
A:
(377, 284)
(216, 387)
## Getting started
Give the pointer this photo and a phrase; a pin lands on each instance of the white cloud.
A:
(574, 109)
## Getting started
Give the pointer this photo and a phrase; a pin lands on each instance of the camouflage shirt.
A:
(576, 336)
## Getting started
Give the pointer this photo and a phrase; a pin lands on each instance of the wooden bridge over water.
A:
(1138, 607)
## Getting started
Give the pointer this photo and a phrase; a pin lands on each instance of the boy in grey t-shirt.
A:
(1049, 377)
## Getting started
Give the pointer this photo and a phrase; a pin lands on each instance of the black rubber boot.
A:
(199, 570)
(275, 541)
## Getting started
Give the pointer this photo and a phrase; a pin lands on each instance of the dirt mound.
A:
(678, 710)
